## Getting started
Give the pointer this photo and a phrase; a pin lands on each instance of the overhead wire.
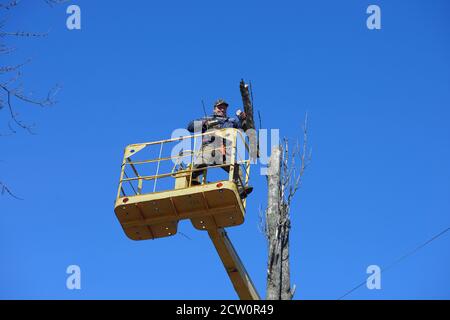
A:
(403, 257)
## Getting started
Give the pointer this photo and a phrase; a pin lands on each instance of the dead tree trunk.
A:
(283, 181)
(273, 213)
(278, 227)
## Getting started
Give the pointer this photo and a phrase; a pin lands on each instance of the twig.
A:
(5, 189)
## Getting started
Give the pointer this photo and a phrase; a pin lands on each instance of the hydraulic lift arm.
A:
(233, 265)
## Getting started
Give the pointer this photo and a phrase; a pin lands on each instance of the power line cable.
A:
(399, 260)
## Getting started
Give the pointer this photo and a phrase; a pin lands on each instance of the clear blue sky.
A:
(378, 104)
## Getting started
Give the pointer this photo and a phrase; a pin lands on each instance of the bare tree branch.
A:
(23, 34)
(262, 223)
(5, 49)
(7, 69)
(51, 3)
(9, 5)
(10, 92)
(5, 189)
(15, 93)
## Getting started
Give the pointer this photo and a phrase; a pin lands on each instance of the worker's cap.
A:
(220, 102)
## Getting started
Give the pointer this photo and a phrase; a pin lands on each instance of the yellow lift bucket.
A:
(208, 204)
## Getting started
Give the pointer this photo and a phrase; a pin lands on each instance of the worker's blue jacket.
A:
(218, 123)
(222, 122)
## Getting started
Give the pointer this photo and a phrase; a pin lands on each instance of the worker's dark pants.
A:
(210, 155)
